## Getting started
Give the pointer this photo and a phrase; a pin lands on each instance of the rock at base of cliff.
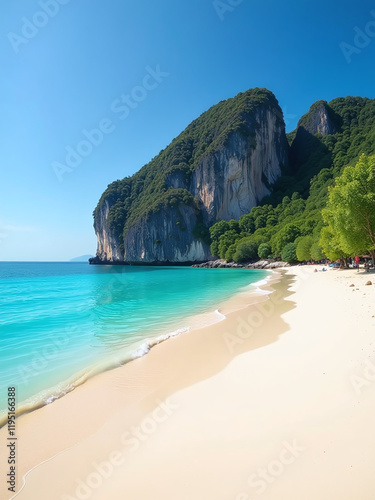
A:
(261, 264)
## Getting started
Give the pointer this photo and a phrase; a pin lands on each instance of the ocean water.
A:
(62, 322)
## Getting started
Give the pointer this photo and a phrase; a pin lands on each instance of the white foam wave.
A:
(144, 348)
(261, 282)
(221, 315)
(141, 351)
(259, 291)
(167, 336)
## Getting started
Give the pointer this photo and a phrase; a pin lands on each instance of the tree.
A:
(287, 234)
(230, 253)
(289, 253)
(246, 223)
(233, 225)
(296, 196)
(304, 248)
(214, 248)
(260, 221)
(246, 250)
(316, 252)
(226, 240)
(264, 251)
(218, 229)
(350, 211)
(330, 243)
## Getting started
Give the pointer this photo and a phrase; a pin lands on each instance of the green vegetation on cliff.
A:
(151, 188)
(290, 220)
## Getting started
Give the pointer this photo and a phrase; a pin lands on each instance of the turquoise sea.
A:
(62, 322)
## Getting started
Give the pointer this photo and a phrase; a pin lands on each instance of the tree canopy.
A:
(350, 210)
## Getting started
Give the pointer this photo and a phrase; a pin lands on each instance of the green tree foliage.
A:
(316, 252)
(350, 211)
(286, 234)
(289, 253)
(214, 248)
(226, 240)
(303, 249)
(246, 250)
(218, 229)
(229, 255)
(264, 250)
(330, 243)
(247, 223)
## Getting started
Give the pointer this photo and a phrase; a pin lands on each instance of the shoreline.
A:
(128, 354)
(31, 424)
(278, 401)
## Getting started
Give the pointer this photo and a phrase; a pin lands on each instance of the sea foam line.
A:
(145, 348)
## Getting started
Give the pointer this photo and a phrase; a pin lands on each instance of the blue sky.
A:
(69, 65)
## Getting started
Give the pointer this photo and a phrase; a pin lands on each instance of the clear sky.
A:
(68, 67)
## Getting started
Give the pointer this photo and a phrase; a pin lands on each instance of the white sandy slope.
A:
(274, 408)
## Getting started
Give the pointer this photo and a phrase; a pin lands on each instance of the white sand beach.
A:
(275, 402)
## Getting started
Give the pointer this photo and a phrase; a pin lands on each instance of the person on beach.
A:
(357, 261)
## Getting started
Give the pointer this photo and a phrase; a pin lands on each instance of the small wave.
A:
(141, 351)
(50, 399)
(262, 282)
(167, 336)
(221, 316)
(259, 291)
(259, 284)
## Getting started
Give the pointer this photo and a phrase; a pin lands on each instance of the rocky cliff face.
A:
(108, 249)
(319, 120)
(224, 183)
(233, 180)
(166, 237)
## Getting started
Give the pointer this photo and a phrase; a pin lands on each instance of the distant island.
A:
(81, 258)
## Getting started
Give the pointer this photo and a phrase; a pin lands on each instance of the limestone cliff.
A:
(166, 237)
(233, 180)
(108, 249)
(319, 120)
(220, 167)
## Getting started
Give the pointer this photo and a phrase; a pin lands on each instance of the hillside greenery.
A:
(290, 219)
